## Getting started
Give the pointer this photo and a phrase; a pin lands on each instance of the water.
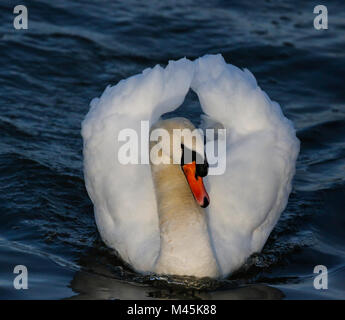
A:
(72, 51)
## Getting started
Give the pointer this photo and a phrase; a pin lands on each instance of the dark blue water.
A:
(73, 50)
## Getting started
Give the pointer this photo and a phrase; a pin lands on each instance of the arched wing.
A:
(261, 151)
(123, 195)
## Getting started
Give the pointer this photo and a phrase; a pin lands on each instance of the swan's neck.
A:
(185, 242)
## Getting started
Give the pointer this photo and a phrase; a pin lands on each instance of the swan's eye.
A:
(201, 164)
(202, 169)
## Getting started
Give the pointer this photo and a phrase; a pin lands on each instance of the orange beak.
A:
(196, 185)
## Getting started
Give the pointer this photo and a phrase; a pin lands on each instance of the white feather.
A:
(123, 195)
(246, 201)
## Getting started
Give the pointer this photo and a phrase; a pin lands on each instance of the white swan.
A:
(185, 243)
(245, 202)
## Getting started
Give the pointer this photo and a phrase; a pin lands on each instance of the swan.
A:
(185, 244)
(150, 214)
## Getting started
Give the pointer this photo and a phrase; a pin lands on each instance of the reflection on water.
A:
(102, 285)
(103, 276)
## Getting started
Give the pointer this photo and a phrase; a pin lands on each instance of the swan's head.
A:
(177, 142)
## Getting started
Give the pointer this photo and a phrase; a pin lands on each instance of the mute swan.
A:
(185, 246)
(133, 211)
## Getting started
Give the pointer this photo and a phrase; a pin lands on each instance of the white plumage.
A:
(246, 201)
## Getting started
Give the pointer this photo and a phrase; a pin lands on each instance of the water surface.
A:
(72, 51)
